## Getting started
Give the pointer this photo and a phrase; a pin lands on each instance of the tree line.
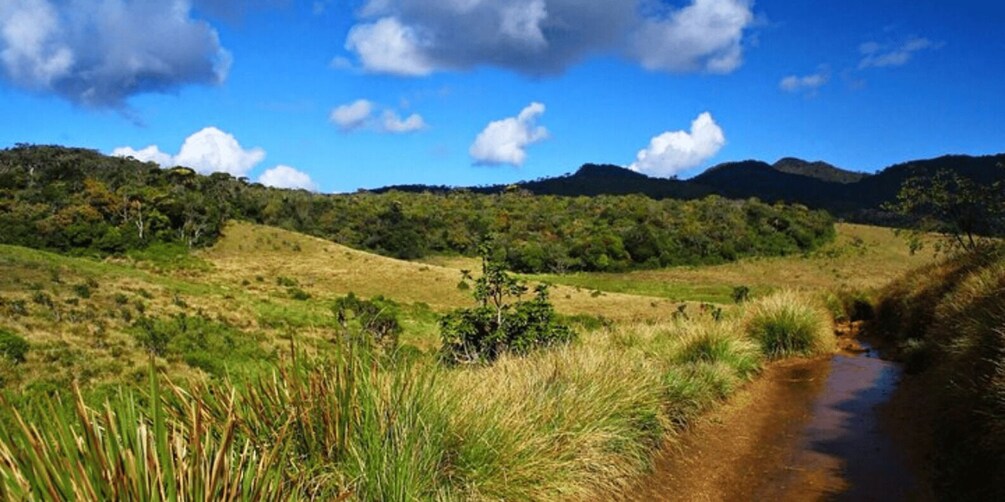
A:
(80, 201)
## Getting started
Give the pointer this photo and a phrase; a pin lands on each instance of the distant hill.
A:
(819, 170)
(848, 194)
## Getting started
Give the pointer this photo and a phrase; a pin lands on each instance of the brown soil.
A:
(804, 430)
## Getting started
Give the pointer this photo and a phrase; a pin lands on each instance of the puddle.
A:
(806, 430)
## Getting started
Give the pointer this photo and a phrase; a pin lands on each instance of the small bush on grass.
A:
(788, 324)
(376, 319)
(499, 325)
(200, 342)
(13, 347)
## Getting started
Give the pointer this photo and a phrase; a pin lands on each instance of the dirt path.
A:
(805, 430)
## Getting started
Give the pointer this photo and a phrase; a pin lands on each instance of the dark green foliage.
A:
(82, 290)
(964, 211)
(286, 282)
(298, 294)
(78, 201)
(13, 347)
(376, 318)
(198, 341)
(741, 294)
(498, 325)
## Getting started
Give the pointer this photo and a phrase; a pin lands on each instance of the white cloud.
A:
(353, 115)
(99, 53)
(207, 151)
(360, 114)
(808, 83)
(148, 154)
(391, 122)
(212, 150)
(704, 36)
(672, 152)
(387, 46)
(287, 177)
(419, 37)
(505, 141)
(875, 55)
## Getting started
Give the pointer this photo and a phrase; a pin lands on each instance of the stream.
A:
(805, 430)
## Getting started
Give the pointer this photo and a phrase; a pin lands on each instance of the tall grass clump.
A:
(325, 429)
(132, 451)
(787, 324)
(584, 420)
(947, 323)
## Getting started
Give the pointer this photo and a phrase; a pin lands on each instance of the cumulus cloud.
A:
(704, 36)
(876, 55)
(391, 122)
(212, 150)
(100, 52)
(149, 154)
(207, 151)
(805, 83)
(361, 114)
(505, 141)
(672, 152)
(287, 177)
(352, 116)
(419, 37)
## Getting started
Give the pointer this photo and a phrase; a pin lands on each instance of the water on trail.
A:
(805, 430)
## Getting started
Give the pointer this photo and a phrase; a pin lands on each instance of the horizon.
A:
(301, 96)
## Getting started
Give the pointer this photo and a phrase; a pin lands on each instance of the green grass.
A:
(579, 421)
(789, 324)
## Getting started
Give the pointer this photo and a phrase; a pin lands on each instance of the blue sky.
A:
(338, 95)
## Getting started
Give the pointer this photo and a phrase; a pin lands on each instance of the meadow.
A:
(254, 392)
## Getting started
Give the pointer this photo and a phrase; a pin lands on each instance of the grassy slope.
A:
(324, 268)
(237, 282)
(862, 257)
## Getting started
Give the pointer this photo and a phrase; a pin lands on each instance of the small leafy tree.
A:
(375, 318)
(502, 322)
(964, 212)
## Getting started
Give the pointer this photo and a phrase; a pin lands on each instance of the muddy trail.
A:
(821, 429)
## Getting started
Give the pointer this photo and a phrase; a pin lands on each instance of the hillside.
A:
(847, 194)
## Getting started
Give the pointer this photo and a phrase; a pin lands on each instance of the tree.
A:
(498, 324)
(965, 213)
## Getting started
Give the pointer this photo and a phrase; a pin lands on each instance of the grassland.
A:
(575, 422)
(861, 258)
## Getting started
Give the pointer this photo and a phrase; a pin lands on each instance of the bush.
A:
(13, 347)
(741, 294)
(496, 326)
(376, 318)
(789, 324)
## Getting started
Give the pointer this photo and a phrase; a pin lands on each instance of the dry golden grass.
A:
(323, 268)
(862, 257)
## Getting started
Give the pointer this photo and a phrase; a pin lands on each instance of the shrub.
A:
(13, 347)
(377, 318)
(82, 290)
(298, 294)
(786, 323)
(497, 326)
(740, 294)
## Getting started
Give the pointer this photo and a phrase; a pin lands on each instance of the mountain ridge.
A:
(853, 195)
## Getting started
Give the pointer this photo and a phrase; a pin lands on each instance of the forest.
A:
(79, 201)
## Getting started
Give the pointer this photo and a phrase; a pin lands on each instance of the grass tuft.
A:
(787, 323)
